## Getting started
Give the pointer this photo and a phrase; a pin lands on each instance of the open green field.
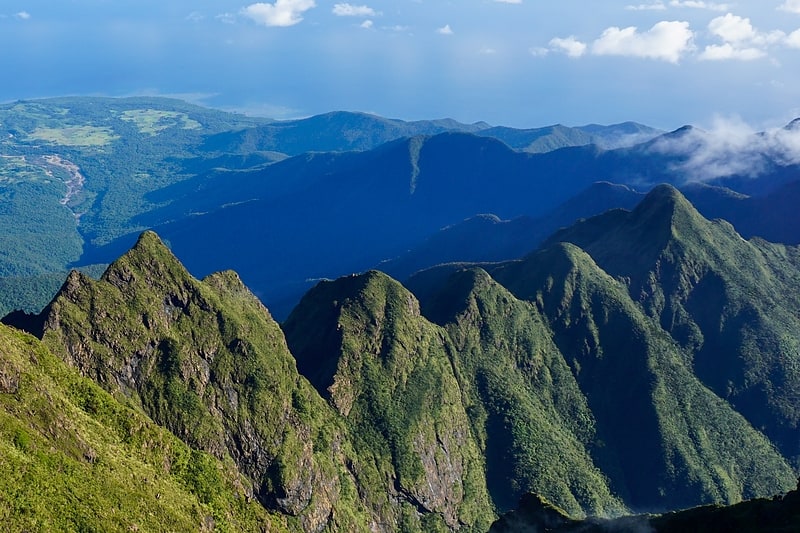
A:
(154, 121)
(75, 135)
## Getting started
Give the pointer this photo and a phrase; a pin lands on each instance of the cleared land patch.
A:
(75, 135)
(153, 121)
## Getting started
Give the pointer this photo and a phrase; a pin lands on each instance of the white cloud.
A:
(195, 16)
(732, 28)
(700, 5)
(720, 52)
(793, 39)
(23, 15)
(731, 147)
(658, 6)
(666, 40)
(367, 24)
(445, 30)
(349, 10)
(792, 6)
(281, 13)
(539, 51)
(740, 40)
(570, 46)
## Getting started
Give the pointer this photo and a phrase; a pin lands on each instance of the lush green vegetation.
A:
(76, 459)
(387, 371)
(206, 361)
(534, 420)
(31, 294)
(729, 303)
(643, 359)
(124, 148)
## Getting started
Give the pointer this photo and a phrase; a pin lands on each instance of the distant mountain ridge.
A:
(342, 131)
(147, 163)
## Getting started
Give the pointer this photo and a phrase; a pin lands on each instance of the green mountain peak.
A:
(205, 360)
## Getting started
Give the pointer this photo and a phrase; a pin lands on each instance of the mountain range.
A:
(82, 177)
(430, 326)
(639, 360)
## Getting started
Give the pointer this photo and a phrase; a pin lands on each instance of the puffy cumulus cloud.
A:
(793, 39)
(367, 24)
(666, 41)
(349, 10)
(731, 147)
(740, 40)
(23, 15)
(720, 52)
(792, 6)
(445, 30)
(736, 30)
(281, 13)
(569, 45)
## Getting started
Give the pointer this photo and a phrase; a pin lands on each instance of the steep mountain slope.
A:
(664, 439)
(534, 420)
(205, 360)
(364, 346)
(75, 459)
(730, 303)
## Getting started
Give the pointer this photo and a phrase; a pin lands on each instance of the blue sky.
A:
(523, 63)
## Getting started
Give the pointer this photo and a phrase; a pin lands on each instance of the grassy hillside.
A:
(76, 459)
